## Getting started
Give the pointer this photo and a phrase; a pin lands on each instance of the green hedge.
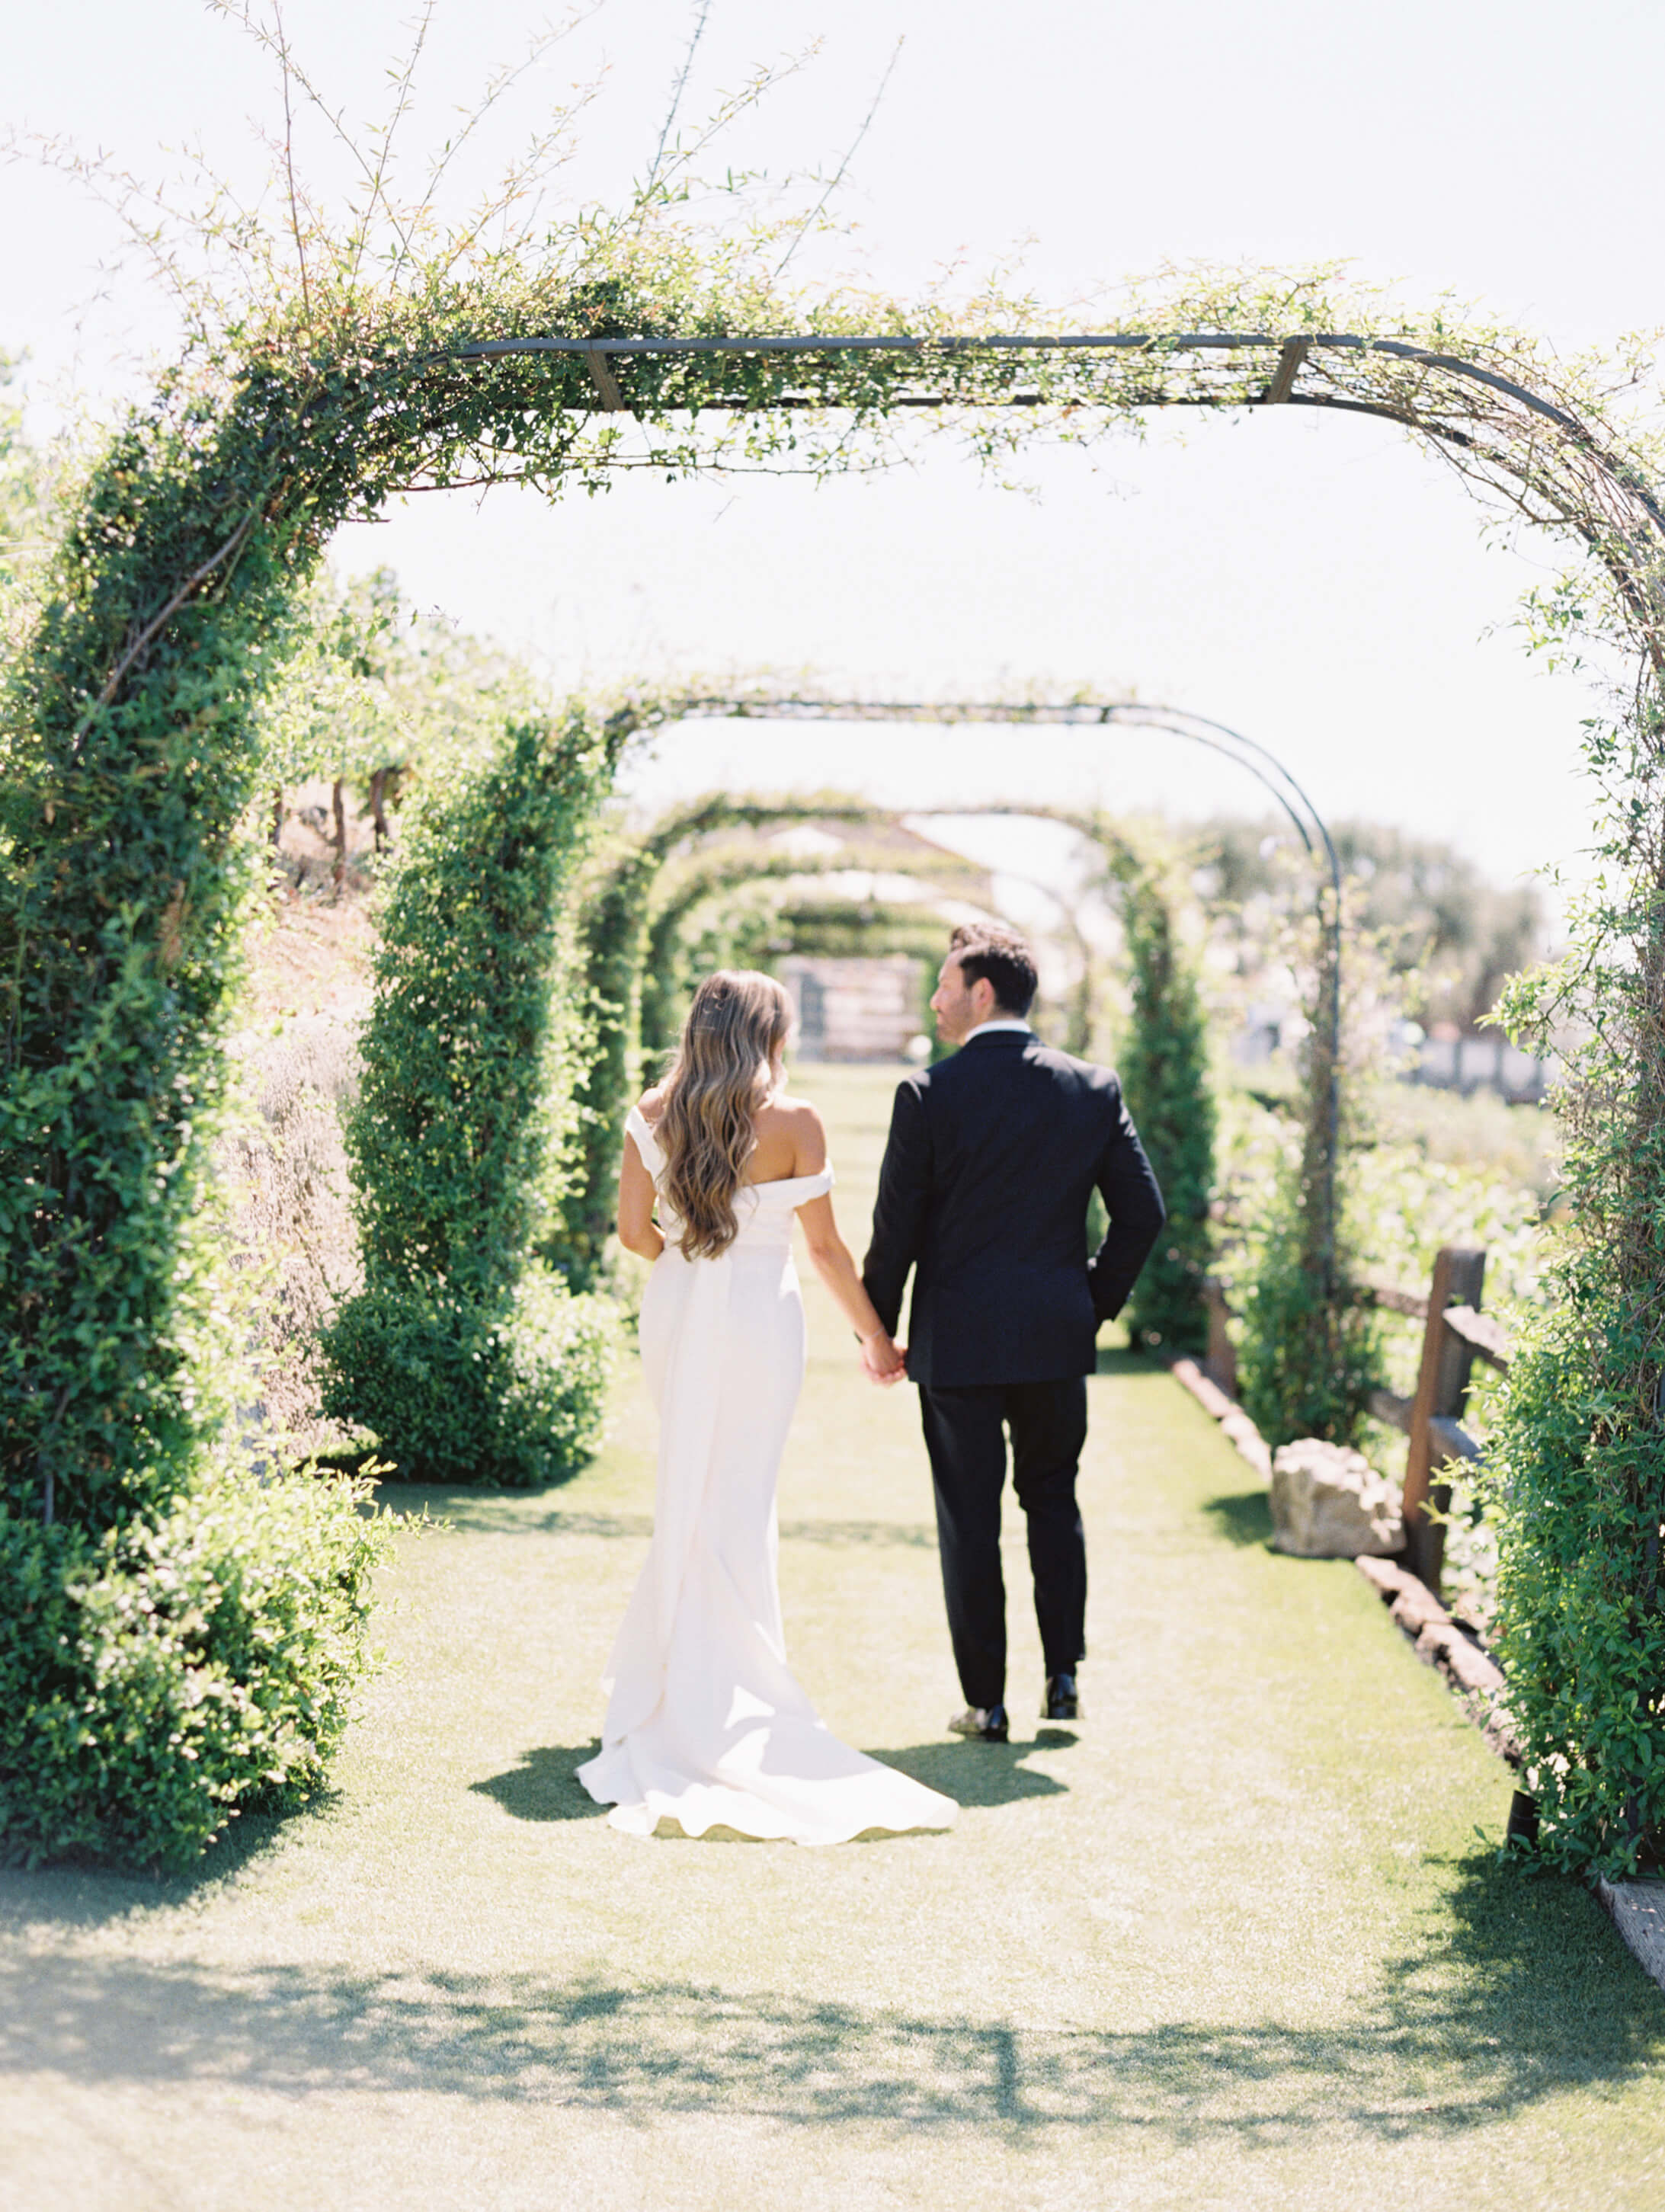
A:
(173, 1643)
(464, 1360)
(1310, 1353)
(455, 1390)
(626, 1008)
(1306, 1364)
(612, 925)
(160, 1679)
(1582, 1634)
(1163, 1066)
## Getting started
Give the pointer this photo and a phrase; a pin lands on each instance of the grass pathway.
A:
(1236, 1945)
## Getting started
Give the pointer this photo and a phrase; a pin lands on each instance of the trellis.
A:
(731, 870)
(1216, 737)
(133, 770)
(1139, 881)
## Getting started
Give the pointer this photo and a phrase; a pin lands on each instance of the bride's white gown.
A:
(705, 1724)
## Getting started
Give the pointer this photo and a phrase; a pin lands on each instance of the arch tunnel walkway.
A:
(1236, 1943)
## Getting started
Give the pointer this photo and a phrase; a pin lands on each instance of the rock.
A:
(1416, 1608)
(1330, 1502)
(1384, 1578)
(1637, 1914)
(1208, 1395)
(1250, 1443)
(1470, 1669)
(1443, 1644)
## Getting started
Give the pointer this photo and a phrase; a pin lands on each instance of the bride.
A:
(706, 1725)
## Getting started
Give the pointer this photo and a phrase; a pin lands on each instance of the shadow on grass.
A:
(1241, 1516)
(977, 1773)
(1117, 1359)
(1518, 1992)
(81, 1893)
(486, 1505)
(474, 1510)
(543, 1786)
(909, 1536)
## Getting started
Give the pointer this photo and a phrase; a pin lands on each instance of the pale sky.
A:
(1314, 583)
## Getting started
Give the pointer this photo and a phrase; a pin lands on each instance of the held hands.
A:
(883, 1360)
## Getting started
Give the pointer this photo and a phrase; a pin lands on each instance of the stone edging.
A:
(1234, 1422)
(1439, 1641)
(1637, 1908)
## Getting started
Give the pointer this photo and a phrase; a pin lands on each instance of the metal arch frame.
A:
(1292, 350)
(1640, 586)
(1200, 729)
(1218, 737)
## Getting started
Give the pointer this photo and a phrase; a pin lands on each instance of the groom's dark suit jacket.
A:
(992, 1157)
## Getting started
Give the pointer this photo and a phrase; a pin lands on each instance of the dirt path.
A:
(1235, 1945)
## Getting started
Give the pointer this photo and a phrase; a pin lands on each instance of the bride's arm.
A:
(834, 1261)
(638, 1232)
(836, 1268)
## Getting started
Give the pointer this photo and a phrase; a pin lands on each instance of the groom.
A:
(992, 1157)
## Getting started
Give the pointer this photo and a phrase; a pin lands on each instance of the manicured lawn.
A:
(1238, 1944)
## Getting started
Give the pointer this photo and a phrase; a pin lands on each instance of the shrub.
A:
(610, 930)
(160, 1679)
(459, 1107)
(1574, 1477)
(1164, 1063)
(1309, 1354)
(467, 1362)
(455, 1390)
(1307, 1363)
(1580, 1630)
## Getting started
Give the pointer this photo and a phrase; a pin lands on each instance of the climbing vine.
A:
(1312, 1347)
(466, 1361)
(612, 940)
(773, 927)
(1164, 1063)
(345, 365)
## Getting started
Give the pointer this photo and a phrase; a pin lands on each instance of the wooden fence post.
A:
(1441, 1392)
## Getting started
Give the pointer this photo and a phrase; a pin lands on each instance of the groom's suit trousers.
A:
(964, 1435)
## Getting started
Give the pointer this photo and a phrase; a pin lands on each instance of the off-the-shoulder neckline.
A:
(773, 1182)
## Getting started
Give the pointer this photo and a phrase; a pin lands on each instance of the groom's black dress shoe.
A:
(985, 1723)
(1061, 1702)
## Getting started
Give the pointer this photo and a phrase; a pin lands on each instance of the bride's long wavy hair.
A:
(736, 1026)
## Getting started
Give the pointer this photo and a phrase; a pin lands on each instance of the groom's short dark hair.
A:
(1000, 956)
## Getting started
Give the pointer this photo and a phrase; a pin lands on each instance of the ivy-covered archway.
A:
(1165, 1059)
(613, 935)
(665, 989)
(132, 769)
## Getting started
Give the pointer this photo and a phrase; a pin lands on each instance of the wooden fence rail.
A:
(1455, 1332)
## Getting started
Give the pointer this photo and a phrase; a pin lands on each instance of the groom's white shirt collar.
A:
(1000, 1022)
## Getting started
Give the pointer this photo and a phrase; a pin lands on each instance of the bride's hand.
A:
(882, 1360)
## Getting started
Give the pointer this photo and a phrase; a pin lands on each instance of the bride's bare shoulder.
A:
(651, 1104)
(798, 1121)
(787, 1110)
